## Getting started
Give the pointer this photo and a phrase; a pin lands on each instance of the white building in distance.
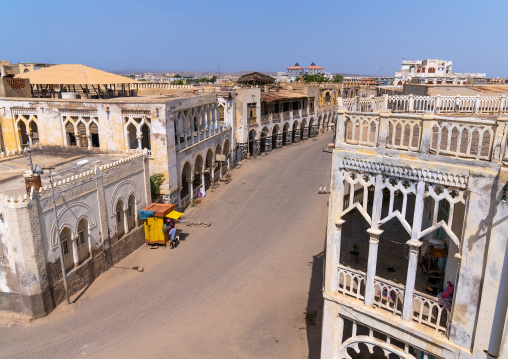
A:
(433, 72)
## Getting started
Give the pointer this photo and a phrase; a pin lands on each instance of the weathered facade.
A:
(98, 225)
(169, 127)
(269, 118)
(416, 239)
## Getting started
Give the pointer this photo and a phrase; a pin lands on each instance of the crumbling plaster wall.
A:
(244, 97)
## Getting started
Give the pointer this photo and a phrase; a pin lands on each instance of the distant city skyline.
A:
(363, 37)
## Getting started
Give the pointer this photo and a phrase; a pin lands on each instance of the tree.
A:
(337, 78)
(178, 76)
(179, 82)
(315, 78)
(156, 181)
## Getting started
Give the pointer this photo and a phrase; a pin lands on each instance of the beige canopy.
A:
(73, 74)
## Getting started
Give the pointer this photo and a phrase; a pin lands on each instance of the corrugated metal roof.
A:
(281, 95)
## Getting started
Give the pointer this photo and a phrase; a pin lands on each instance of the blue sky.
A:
(358, 36)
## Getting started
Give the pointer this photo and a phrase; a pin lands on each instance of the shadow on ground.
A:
(314, 312)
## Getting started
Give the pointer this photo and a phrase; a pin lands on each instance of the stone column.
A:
(333, 328)
(75, 255)
(414, 245)
(126, 220)
(375, 233)
(139, 142)
(190, 187)
(371, 268)
(203, 179)
(89, 141)
(334, 226)
(279, 140)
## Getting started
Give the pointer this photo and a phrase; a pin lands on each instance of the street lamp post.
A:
(38, 170)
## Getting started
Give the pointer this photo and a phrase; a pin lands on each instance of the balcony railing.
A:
(351, 282)
(286, 115)
(437, 104)
(296, 113)
(428, 311)
(265, 118)
(389, 296)
(445, 136)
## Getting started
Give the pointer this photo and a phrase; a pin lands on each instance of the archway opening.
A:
(208, 169)
(186, 177)
(34, 132)
(252, 138)
(131, 212)
(65, 240)
(83, 240)
(295, 129)
(198, 175)
(94, 132)
(285, 131)
(262, 140)
(145, 137)
(275, 131)
(131, 133)
(120, 229)
(23, 135)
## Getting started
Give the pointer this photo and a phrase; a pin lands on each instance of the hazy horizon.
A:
(362, 37)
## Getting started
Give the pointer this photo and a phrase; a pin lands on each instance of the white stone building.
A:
(313, 69)
(295, 70)
(417, 206)
(433, 72)
(180, 131)
(98, 225)
(270, 116)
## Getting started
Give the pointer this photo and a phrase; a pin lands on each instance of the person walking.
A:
(172, 236)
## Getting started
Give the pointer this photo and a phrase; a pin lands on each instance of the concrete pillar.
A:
(371, 267)
(190, 187)
(125, 220)
(334, 226)
(414, 245)
(332, 330)
(75, 255)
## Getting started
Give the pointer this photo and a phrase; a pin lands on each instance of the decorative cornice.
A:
(447, 179)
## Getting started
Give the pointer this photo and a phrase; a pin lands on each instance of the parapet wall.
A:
(106, 199)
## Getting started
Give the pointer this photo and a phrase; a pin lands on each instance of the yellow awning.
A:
(174, 215)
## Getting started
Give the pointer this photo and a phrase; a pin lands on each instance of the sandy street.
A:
(248, 286)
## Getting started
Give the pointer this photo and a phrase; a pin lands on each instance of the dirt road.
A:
(248, 286)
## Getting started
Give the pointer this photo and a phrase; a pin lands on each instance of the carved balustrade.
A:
(428, 311)
(468, 138)
(351, 282)
(388, 295)
(421, 104)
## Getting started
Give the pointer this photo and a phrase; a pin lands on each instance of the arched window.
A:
(327, 97)
(145, 137)
(131, 212)
(82, 240)
(65, 240)
(120, 230)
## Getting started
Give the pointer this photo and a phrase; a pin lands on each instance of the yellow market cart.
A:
(154, 215)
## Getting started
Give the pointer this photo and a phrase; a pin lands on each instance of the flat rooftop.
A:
(12, 182)
(178, 94)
